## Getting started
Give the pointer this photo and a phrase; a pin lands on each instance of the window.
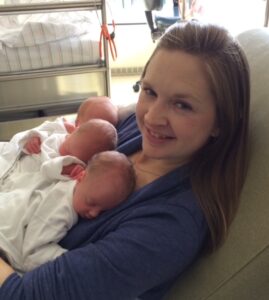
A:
(235, 15)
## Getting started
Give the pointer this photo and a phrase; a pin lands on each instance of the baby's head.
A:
(97, 108)
(108, 180)
(90, 138)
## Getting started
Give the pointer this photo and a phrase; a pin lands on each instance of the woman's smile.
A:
(157, 138)
(176, 111)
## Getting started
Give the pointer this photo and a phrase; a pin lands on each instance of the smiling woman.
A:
(195, 104)
(187, 142)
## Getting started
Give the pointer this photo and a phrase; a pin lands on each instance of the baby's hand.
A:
(73, 170)
(69, 127)
(33, 145)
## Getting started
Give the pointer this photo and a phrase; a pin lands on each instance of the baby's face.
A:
(74, 145)
(92, 196)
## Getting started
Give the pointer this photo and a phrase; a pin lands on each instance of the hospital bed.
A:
(50, 59)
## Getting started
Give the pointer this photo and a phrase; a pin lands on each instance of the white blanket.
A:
(35, 199)
(37, 29)
(38, 41)
(13, 156)
(32, 222)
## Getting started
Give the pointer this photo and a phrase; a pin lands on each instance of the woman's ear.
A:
(215, 132)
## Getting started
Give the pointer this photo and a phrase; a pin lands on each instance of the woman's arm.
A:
(5, 271)
(149, 248)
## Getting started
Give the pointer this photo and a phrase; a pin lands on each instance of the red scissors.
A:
(110, 39)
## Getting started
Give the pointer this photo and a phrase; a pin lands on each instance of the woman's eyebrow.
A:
(186, 96)
(183, 95)
(145, 82)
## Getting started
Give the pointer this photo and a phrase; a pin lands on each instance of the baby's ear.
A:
(81, 175)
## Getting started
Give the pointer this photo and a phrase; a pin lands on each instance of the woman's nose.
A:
(156, 114)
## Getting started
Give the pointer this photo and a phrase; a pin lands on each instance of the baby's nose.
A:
(93, 213)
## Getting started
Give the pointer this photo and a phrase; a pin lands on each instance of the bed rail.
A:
(57, 90)
(49, 7)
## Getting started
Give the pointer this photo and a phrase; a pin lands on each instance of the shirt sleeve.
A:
(145, 250)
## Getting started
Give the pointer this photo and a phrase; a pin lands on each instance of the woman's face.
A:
(176, 111)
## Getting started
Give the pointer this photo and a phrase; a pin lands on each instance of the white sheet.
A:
(68, 52)
(29, 42)
(37, 29)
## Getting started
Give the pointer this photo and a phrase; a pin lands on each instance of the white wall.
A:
(134, 46)
(235, 15)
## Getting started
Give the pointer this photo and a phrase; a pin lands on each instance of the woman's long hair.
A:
(219, 168)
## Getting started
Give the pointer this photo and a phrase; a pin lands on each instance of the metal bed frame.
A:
(35, 95)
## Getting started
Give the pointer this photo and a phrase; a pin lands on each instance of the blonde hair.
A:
(99, 135)
(219, 168)
(97, 108)
(119, 167)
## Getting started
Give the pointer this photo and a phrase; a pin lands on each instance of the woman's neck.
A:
(149, 169)
(157, 166)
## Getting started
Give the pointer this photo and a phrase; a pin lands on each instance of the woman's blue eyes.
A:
(179, 104)
(183, 105)
(149, 92)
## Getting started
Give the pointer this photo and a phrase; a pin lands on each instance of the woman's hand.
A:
(5, 271)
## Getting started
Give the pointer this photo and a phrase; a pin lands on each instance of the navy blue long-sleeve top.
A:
(135, 250)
